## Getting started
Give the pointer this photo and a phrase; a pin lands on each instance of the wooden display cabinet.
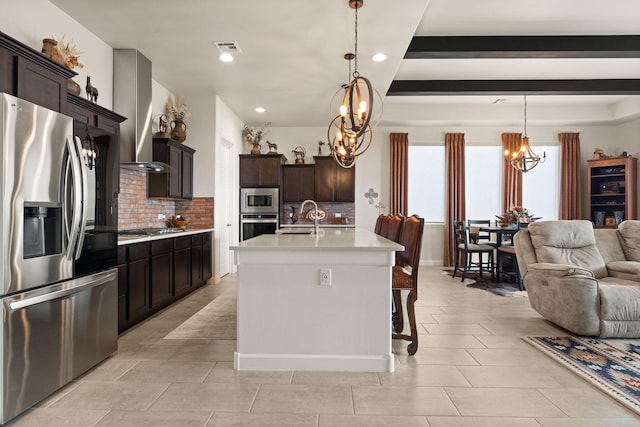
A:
(612, 190)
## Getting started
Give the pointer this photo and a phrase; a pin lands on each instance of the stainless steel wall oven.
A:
(259, 211)
(252, 225)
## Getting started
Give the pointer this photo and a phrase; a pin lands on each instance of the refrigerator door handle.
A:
(76, 197)
(83, 197)
(77, 285)
(67, 220)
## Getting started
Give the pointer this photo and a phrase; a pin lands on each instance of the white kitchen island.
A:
(289, 320)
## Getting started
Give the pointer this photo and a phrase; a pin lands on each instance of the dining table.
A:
(502, 232)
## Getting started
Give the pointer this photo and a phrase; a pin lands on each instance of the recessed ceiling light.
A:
(227, 49)
(226, 57)
(259, 110)
(379, 57)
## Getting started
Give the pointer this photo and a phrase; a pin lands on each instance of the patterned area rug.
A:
(613, 365)
(503, 289)
(216, 320)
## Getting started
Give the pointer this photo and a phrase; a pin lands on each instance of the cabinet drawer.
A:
(161, 246)
(138, 251)
(182, 242)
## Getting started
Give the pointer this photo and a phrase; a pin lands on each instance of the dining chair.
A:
(508, 253)
(405, 276)
(378, 226)
(394, 227)
(384, 227)
(484, 237)
(465, 250)
(393, 231)
(390, 227)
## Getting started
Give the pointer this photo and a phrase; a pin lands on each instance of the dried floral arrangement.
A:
(69, 53)
(251, 135)
(516, 215)
(177, 221)
(177, 109)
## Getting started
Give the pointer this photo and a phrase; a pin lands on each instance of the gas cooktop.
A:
(150, 231)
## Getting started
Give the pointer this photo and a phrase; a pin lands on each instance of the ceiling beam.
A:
(514, 87)
(621, 46)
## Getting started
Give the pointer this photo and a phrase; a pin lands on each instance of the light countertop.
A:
(310, 225)
(327, 238)
(127, 240)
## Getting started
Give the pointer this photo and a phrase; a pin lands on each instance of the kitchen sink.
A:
(294, 231)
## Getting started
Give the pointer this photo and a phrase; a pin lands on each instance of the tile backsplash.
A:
(135, 210)
(337, 213)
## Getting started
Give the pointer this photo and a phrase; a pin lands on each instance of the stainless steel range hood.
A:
(132, 98)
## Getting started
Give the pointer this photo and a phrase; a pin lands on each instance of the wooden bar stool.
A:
(405, 276)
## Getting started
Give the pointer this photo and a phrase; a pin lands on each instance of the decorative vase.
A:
(256, 148)
(178, 130)
(50, 50)
(73, 87)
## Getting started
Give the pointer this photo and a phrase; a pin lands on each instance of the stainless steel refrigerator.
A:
(58, 244)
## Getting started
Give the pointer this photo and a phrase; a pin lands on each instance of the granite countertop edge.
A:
(127, 240)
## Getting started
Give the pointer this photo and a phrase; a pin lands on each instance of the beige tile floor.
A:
(471, 369)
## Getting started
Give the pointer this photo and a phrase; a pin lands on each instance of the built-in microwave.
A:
(259, 200)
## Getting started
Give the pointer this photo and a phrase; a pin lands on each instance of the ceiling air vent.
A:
(228, 47)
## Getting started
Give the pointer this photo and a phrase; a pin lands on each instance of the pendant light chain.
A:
(355, 72)
(525, 115)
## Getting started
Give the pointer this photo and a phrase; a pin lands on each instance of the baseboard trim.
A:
(305, 362)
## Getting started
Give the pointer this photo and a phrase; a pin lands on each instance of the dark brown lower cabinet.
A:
(152, 275)
(138, 295)
(182, 265)
(197, 277)
(161, 269)
(123, 269)
(207, 271)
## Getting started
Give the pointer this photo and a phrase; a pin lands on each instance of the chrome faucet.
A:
(315, 217)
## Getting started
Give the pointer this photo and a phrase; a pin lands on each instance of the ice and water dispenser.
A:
(42, 229)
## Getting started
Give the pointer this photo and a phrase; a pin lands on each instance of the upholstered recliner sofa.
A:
(584, 280)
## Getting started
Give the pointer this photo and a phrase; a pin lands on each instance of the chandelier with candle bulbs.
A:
(525, 159)
(349, 132)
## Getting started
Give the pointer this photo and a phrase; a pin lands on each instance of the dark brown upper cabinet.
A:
(30, 75)
(177, 183)
(298, 182)
(260, 170)
(333, 183)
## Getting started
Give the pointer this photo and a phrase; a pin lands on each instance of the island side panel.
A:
(287, 321)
